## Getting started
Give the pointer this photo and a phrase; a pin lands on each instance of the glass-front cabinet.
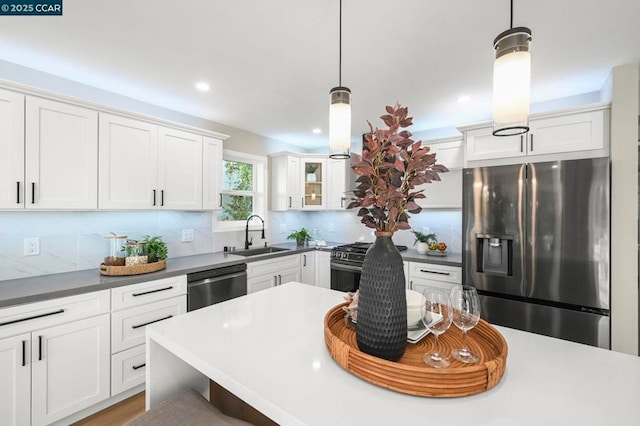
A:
(314, 183)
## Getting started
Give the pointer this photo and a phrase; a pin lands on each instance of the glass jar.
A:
(134, 251)
(115, 250)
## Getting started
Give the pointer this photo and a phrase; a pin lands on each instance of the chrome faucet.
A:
(247, 243)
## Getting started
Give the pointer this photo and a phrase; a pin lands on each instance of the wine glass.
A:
(466, 314)
(437, 317)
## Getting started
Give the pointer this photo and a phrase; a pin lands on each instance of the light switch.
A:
(188, 235)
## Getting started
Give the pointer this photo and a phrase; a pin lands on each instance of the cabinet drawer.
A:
(139, 294)
(128, 326)
(433, 272)
(26, 318)
(419, 284)
(127, 369)
(272, 266)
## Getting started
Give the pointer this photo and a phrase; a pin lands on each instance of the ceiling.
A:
(271, 63)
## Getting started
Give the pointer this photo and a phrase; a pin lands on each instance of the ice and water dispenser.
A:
(495, 254)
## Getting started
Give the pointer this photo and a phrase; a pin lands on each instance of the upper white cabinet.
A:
(565, 133)
(48, 155)
(447, 193)
(144, 166)
(211, 173)
(307, 182)
(11, 150)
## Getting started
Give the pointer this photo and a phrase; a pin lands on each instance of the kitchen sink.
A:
(262, 250)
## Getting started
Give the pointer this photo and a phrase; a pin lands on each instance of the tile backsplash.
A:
(71, 241)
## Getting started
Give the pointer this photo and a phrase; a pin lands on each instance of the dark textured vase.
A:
(381, 329)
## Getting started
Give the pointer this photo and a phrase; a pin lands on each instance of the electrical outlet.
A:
(331, 227)
(31, 246)
(283, 228)
(188, 235)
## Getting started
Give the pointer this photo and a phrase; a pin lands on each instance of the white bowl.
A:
(414, 301)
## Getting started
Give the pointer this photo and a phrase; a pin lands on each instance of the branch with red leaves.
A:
(390, 168)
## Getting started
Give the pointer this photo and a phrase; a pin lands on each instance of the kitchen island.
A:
(268, 349)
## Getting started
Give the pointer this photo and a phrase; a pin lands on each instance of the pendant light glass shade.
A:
(512, 82)
(340, 122)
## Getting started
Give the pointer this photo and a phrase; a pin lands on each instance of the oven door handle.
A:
(343, 267)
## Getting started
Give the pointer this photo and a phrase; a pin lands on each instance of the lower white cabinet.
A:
(308, 268)
(323, 269)
(54, 358)
(422, 275)
(269, 273)
(128, 369)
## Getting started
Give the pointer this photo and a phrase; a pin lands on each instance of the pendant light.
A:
(511, 81)
(340, 112)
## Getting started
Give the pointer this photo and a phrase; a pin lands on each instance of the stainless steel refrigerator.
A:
(536, 246)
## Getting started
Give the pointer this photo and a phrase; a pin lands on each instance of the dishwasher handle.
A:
(216, 279)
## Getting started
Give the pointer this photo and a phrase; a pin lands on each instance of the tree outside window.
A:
(237, 187)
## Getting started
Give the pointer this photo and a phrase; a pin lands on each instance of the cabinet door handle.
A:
(302, 201)
(18, 192)
(521, 143)
(161, 197)
(136, 367)
(342, 202)
(24, 353)
(279, 279)
(220, 200)
(151, 291)
(154, 197)
(39, 348)
(151, 322)
(304, 260)
(531, 141)
(33, 192)
(435, 272)
(275, 281)
(410, 285)
(59, 311)
(289, 202)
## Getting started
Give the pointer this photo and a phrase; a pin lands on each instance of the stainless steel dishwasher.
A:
(216, 285)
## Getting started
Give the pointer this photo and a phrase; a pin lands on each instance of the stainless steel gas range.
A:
(346, 265)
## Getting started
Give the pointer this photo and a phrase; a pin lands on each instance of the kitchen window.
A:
(243, 190)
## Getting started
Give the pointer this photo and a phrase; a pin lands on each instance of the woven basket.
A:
(144, 268)
(410, 374)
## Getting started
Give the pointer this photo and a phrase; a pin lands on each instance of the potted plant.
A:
(156, 248)
(390, 168)
(301, 236)
(310, 170)
(423, 241)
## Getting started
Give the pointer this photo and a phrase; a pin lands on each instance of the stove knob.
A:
(344, 255)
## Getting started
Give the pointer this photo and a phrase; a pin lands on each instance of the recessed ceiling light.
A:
(316, 131)
(463, 99)
(202, 86)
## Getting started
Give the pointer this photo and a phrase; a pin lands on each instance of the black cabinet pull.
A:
(521, 143)
(59, 311)
(435, 272)
(24, 353)
(302, 201)
(279, 279)
(18, 192)
(275, 280)
(136, 367)
(289, 202)
(304, 260)
(531, 141)
(342, 202)
(154, 197)
(33, 192)
(220, 199)
(149, 292)
(162, 197)
(151, 322)
(39, 348)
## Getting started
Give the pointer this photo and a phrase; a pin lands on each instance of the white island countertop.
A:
(268, 349)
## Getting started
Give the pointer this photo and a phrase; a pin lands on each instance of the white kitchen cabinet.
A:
(15, 385)
(583, 131)
(211, 173)
(128, 369)
(285, 182)
(179, 169)
(323, 269)
(70, 368)
(314, 183)
(422, 275)
(11, 150)
(268, 273)
(61, 156)
(308, 268)
(128, 163)
(446, 193)
(337, 172)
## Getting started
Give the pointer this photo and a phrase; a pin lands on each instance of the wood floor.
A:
(117, 414)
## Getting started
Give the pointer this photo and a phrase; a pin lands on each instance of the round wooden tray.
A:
(144, 268)
(410, 374)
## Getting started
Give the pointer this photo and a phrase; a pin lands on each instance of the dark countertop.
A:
(44, 287)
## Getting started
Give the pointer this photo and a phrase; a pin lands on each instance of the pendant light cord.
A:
(510, 22)
(340, 49)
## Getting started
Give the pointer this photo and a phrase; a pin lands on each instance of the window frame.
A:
(259, 193)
